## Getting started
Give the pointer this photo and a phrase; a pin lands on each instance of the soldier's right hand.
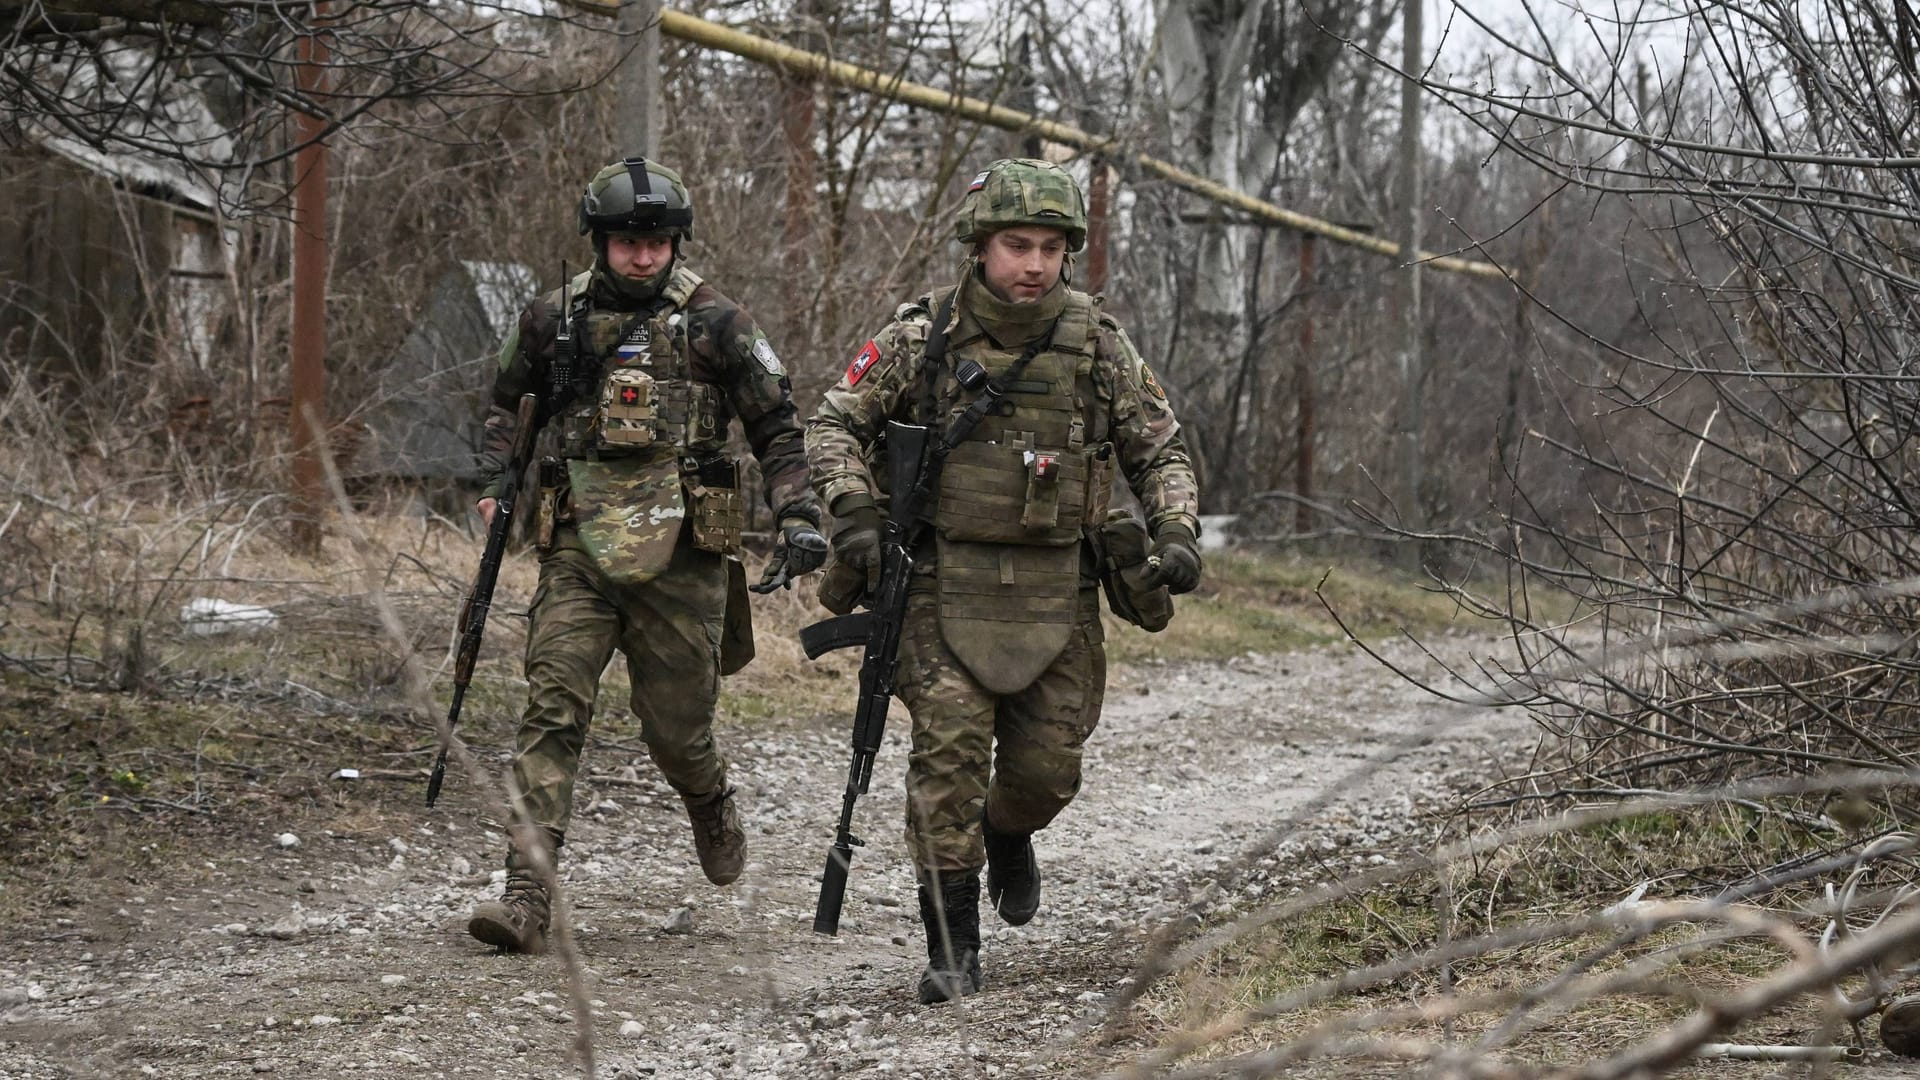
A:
(486, 508)
(856, 535)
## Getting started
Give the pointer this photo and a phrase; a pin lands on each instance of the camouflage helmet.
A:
(637, 195)
(1022, 191)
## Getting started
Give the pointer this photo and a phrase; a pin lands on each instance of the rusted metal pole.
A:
(1303, 387)
(1097, 199)
(309, 389)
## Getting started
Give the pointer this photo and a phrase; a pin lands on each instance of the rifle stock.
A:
(472, 624)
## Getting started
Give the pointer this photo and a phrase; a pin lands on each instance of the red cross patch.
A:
(868, 357)
(629, 396)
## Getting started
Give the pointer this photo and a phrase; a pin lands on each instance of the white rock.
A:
(287, 840)
(678, 921)
(498, 877)
(632, 1029)
(399, 863)
(206, 615)
(323, 1020)
(289, 927)
(460, 866)
(392, 980)
(399, 846)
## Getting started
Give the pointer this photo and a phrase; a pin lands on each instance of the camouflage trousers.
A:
(1018, 754)
(669, 631)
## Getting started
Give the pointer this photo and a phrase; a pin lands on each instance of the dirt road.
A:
(344, 954)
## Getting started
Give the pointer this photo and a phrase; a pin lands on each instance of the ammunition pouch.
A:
(718, 512)
(553, 481)
(1121, 545)
(997, 493)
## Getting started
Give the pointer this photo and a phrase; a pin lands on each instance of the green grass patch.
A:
(1267, 601)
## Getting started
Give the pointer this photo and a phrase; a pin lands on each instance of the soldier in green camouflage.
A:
(1002, 662)
(640, 366)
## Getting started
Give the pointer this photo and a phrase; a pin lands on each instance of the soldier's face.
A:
(638, 257)
(1022, 264)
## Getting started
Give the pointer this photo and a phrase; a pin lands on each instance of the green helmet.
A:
(637, 195)
(1022, 191)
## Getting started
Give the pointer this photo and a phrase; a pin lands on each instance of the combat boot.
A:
(517, 922)
(717, 836)
(951, 914)
(1013, 874)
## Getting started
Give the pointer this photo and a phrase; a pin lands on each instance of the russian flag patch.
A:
(978, 182)
(868, 357)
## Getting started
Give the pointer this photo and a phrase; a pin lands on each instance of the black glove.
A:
(801, 550)
(1174, 560)
(856, 534)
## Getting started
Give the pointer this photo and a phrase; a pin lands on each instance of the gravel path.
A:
(344, 954)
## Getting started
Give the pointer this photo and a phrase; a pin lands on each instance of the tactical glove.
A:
(855, 572)
(801, 550)
(856, 535)
(1174, 560)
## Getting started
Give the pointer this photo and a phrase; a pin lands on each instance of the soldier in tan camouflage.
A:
(640, 366)
(1002, 662)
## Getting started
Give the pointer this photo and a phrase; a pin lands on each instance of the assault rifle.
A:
(473, 613)
(913, 471)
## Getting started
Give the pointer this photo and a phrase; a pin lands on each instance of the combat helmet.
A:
(637, 195)
(1022, 191)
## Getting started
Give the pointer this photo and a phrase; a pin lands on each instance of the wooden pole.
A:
(1412, 417)
(309, 389)
(1303, 387)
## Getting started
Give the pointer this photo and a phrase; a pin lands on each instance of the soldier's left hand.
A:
(801, 551)
(1175, 560)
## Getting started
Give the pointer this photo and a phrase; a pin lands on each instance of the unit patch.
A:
(763, 352)
(978, 182)
(1152, 384)
(868, 357)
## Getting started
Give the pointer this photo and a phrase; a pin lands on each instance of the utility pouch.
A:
(1121, 542)
(719, 514)
(553, 477)
(629, 413)
(736, 635)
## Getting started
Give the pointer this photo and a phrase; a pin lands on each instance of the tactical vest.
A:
(647, 448)
(647, 402)
(1013, 500)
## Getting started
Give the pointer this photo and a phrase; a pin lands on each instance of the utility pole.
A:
(1412, 364)
(638, 77)
(308, 395)
(1098, 197)
(1303, 386)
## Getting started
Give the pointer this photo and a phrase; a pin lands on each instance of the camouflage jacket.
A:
(1120, 400)
(728, 351)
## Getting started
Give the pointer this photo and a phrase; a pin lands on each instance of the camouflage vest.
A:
(650, 431)
(1012, 502)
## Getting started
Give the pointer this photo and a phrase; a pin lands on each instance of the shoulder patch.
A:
(1152, 384)
(763, 352)
(863, 363)
(979, 182)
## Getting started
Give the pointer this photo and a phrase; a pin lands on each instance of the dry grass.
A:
(116, 713)
(1568, 990)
